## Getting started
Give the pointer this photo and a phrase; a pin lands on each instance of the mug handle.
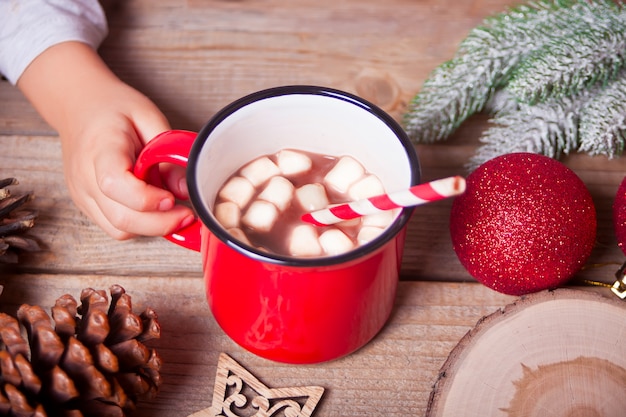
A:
(172, 146)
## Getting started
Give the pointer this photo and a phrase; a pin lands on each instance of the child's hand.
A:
(104, 124)
(99, 155)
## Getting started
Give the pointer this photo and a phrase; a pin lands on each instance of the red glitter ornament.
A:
(525, 223)
(619, 216)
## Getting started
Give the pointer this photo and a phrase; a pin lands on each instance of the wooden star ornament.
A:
(238, 393)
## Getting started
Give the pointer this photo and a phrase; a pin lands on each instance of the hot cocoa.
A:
(263, 202)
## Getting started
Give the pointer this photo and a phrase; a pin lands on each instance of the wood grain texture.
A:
(394, 373)
(192, 57)
(551, 353)
(73, 244)
(233, 381)
(70, 241)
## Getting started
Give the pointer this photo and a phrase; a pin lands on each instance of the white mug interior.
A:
(326, 124)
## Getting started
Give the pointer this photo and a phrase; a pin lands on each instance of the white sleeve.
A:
(29, 27)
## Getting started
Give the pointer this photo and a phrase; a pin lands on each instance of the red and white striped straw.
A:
(414, 196)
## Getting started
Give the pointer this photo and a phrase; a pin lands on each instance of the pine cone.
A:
(14, 222)
(91, 363)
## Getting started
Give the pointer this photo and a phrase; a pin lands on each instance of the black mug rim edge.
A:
(358, 253)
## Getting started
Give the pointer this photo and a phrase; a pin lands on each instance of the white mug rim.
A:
(208, 220)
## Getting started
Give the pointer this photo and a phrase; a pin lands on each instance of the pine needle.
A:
(487, 59)
(603, 121)
(549, 128)
(566, 65)
(502, 101)
(448, 97)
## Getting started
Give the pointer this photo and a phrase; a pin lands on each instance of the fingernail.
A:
(187, 221)
(182, 186)
(166, 204)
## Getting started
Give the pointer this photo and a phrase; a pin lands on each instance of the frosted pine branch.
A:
(549, 128)
(565, 66)
(502, 101)
(521, 25)
(533, 10)
(460, 87)
(453, 92)
(603, 121)
(486, 60)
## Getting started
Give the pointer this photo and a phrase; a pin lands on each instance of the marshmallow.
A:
(312, 197)
(239, 234)
(381, 219)
(293, 162)
(368, 233)
(238, 190)
(335, 242)
(345, 172)
(366, 187)
(228, 214)
(260, 216)
(279, 191)
(260, 170)
(304, 242)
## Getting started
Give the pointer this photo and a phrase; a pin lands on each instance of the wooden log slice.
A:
(555, 353)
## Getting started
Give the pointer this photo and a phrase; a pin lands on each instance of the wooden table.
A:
(193, 57)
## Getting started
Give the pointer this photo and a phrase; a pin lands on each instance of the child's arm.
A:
(103, 124)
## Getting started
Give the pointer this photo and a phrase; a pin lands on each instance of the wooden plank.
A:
(227, 49)
(194, 57)
(72, 243)
(392, 375)
(17, 116)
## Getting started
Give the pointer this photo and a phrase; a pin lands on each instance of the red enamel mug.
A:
(287, 309)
